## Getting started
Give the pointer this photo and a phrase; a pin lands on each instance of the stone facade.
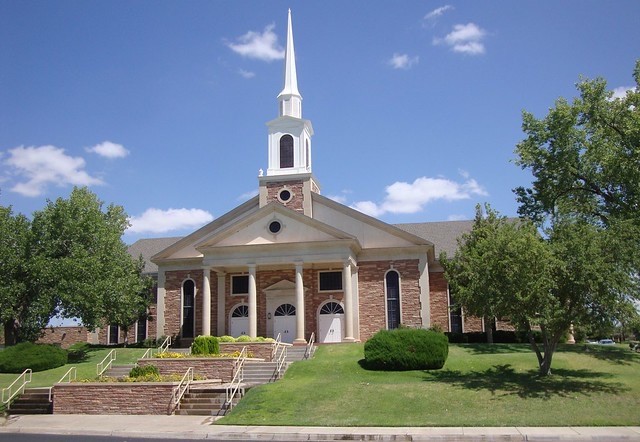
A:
(211, 368)
(113, 398)
(65, 337)
(294, 187)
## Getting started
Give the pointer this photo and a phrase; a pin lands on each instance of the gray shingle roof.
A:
(149, 247)
(443, 234)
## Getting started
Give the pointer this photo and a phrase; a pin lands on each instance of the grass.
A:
(86, 369)
(480, 385)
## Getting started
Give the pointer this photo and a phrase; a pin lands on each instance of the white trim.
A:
(230, 315)
(342, 322)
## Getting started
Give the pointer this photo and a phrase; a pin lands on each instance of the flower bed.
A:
(209, 368)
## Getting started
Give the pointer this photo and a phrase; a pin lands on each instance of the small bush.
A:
(170, 355)
(244, 338)
(406, 349)
(145, 370)
(37, 357)
(226, 338)
(205, 345)
(78, 351)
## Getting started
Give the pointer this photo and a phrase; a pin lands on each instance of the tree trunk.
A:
(10, 332)
(488, 329)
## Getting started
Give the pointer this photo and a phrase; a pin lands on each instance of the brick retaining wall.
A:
(113, 398)
(211, 368)
(262, 350)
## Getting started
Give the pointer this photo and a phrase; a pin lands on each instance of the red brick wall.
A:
(372, 295)
(113, 398)
(173, 300)
(262, 350)
(439, 300)
(211, 368)
(63, 336)
(295, 187)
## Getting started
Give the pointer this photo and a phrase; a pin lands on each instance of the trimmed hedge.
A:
(205, 345)
(144, 371)
(406, 349)
(37, 357)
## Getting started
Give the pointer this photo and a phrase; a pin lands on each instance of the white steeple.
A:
(290, 98)
(289, 134)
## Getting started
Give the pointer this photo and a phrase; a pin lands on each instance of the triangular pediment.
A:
(259, 229)
(284, 285)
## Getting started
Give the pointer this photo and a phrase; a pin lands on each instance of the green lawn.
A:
(480, 385)
(85, 369)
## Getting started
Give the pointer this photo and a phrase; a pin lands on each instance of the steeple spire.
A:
(290, 99)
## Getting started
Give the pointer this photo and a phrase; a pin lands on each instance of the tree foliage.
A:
(507, 269)
(584, 156)
(75, 264)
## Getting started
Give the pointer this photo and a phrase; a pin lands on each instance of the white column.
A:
(160, 304)
(299, 306)
(222, 319)
(253, 302)
(348, 302)
(206, 302)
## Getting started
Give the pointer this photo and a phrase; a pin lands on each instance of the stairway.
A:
(32, 401)
(206, 401)
(256, 372)
(296, 353)
(119, 371)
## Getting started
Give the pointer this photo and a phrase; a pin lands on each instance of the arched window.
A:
(455, 315)
(332, 308)
(188, 308)
(392, 280)
(308, 155)
(242, 311)
(286, 151)
(285, 310)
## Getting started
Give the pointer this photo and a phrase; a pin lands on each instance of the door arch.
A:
(331, 322)
(239, 321)
(284, 322)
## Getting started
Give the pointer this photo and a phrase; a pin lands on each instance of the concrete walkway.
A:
(199, 427)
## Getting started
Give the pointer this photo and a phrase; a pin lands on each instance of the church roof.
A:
(149, 247)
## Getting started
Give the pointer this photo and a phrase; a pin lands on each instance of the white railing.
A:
(165, 345)
(181, 389)
(309, 350)
(274, 349)
(68, 377)
(20, 383)
(106, 362)
(238, 376)
(281, 358)
(147, 354)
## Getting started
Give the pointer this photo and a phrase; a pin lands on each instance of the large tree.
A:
(76, 265)
(506, 268)
(584, 156)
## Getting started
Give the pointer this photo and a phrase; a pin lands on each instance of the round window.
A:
(275, 227)
(284, 195)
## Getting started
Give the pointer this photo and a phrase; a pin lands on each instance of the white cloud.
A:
(246, 74)
(263, 46)
(457, 218)
(44, 165)
(248, 195)
(402, 61)
(162, 221)
(466, 39)
(338, 198)
(437, 12)
(621, 92)
(108, 149)
(404, 197)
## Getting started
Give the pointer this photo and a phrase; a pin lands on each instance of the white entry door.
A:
(284, 323)
(331, 323)
(239, 324)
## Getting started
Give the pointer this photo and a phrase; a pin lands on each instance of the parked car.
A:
(606, 342)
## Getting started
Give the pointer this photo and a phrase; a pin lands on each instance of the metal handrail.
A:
(148, 354)
(282, 357)
(165, 345)
(238, 377)
(276, 344)
(70, 375)
(309, 350)
(27, 373)
(103, 366)
(181, 389)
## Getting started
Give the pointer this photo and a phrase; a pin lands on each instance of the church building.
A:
(293, 262)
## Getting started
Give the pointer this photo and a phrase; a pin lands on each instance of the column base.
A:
(349, 340)
(299, 342)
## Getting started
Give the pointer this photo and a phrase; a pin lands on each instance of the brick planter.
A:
(260, 350)
(210, 368)
(113, 398)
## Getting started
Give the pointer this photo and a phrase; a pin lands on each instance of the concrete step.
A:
(207, 401)
(119, 371)
(32, 401)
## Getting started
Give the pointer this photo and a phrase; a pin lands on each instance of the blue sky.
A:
(160, 106)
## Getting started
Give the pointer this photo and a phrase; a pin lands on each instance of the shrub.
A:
(78, 351)
(170, 355)
(144, 371)
(226, 338)
(205, 345)
(37, 357)
(243, 338)
(406, 349)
